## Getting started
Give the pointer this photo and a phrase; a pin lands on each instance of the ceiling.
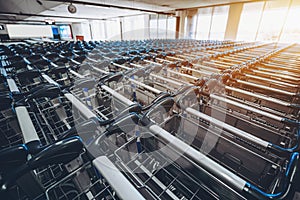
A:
(180, 4)
(83, 13)
(57, 9)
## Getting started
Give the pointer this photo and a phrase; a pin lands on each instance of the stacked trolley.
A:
(151, 119)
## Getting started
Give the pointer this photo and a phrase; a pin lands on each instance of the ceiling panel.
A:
(84, 12)
(89, 12)
(178, 4)
(159, 5)
(58, 8)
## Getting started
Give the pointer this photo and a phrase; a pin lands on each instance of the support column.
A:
(190, 26)
(180, 21)
(177, 27)
(234, 15)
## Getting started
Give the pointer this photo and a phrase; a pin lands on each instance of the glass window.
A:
(190, 26)
(153, 26)
(162, 26)
(249, 21)
(291, 30)
(219, 23)
(272, 20)
(203, 24)
(113, 30)
(133, 27)
(98, 30)
(193, 31)
(185, 33)
(171, 27)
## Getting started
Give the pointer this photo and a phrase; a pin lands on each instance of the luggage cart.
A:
(98, 102)
(160, 168)
(55, 113)
(33, 134)
(12, 130)
(209, 141)
(62, 179)
(268, 139)
(265, 160)
(61, 75)
(239, 181)
(97, 187)
(261, 71)
(28, 79)
(151, 164)
(111, 96)
(284, 140)
(29, 179)
(269, 85)
(15, 66)
(280, 130)
(240, 103)
(143, 84)
(281, 106)
(10, 133)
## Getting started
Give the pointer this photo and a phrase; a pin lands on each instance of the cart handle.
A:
(46, 90)
(89, 83)
(123, 124)
(13, 156)
(117, 95)
(123, 188)
(62, 151)
(241, 133)
(134, 108)
(29, 74)
(6, 102)
(89, 125)
(111, 77)
(160, 97)
(105, 77)
(166, 103)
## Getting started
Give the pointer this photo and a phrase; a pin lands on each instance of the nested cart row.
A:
(153, 119)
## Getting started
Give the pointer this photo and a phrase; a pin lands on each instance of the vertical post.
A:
(234, 15)
(177, 27)
(91, 32)
(190, 27)
(196, 28)
(121, 29)
(211, 19)
(181, 23)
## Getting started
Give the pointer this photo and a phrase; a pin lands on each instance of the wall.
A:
(133, 28)
(29, 31)
(81, 28)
